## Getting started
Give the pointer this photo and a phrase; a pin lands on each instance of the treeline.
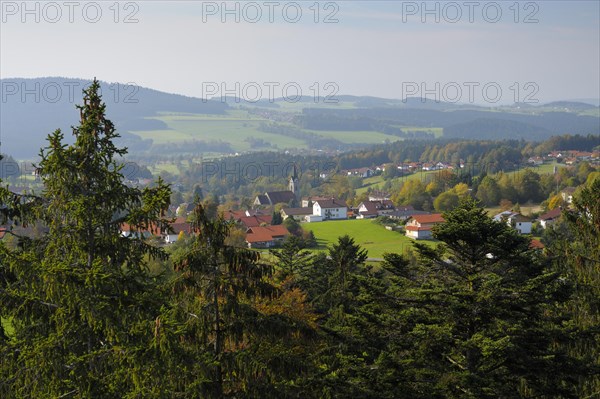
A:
(569, 142)
(192, 147)
(313, 141)
(498, 155)
(480, 124)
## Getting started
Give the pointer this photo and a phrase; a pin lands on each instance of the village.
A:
(263, 231)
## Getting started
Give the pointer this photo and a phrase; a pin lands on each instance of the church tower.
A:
(294, 184)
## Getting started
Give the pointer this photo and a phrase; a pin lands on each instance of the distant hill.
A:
(30, 109)
(571, 105)
(460, 123)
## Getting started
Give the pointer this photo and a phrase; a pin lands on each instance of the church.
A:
(289, 196)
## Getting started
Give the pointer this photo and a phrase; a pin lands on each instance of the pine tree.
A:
(575, 248)
(221, 293)
(80, 298)
(483, 327)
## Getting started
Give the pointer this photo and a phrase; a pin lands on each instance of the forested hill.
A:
(30, 109)
(468, 123)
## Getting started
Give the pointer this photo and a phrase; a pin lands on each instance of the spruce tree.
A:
(483, 325)
(575, 249)
(223, 295)
(81, 301)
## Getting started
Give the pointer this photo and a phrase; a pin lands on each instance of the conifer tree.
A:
(483, 325)
(81, 301)
(221, 291)
(575, 249)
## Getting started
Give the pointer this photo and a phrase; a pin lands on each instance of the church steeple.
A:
(294, 184)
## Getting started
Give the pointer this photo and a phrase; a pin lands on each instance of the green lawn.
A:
(373, 237)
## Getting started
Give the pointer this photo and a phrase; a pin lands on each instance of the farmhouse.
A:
(297, 214)
(419, 226)
(550, 217)
(256, 220)
(308, 201)
(330, 209)
(403, 213)
(266, 236)
(377, 195)
(515, 220)
(275, 197)
(177, 227)
(372, 209)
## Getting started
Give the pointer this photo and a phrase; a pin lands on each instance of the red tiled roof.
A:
(425, 219)
(266, 233)
(235, 214)
(179, 227)
(536, 244)
(415, 228)
(257, 220)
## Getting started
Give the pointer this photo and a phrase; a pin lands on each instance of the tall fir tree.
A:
(574, 246)
(231, 316)
(80, 299)
(484, 328)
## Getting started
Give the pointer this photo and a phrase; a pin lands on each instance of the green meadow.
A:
(377, 182)
(371, 236)
(237, 126)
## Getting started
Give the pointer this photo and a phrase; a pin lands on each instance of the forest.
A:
(89, 313)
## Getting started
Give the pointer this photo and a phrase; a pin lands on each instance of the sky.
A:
(464, 51)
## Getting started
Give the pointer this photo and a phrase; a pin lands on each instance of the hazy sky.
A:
(544, 50)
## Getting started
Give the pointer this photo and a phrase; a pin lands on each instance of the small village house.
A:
(419, 226)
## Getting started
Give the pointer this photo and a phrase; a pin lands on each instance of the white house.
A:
(371, 209)
(419, 226)
(330, 209)
(515, 220)
(550, 217)
(567, 194)
(177, 227)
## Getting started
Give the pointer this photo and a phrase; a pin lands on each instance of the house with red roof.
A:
(255, 220)
(266, 236)
(419, 226)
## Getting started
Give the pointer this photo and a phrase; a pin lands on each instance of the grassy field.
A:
(373, 237)
(237, 126)
(230, 128)
(544, 169)
(376, 182)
